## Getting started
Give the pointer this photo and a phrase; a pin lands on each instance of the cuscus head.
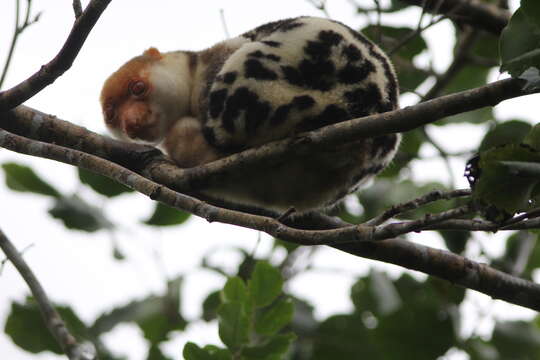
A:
(142, 99)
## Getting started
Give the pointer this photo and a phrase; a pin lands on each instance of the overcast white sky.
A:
(77, 268)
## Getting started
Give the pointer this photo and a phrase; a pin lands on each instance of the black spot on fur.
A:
(271, 43)
(321, 49)
(288, 26)
(352, 53)
(273, 57)
(391, 87)
(244, 100)
(280, 115)
(363, 101)
(292, 75)
(255, 69)
(209, 135)
(332, 114)
(303, 102)
(318, 75)
(351, 74)
(257, 54)
(317, 50)
(256, 113)
(360, 38)
(268, 28)
(330, 37)
(217, 102)
(230, 77)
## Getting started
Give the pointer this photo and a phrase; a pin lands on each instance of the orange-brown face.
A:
(126, 100)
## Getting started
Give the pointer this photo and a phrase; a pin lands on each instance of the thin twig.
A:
(520, 218)
(459, 62)
(48, 73)
(419, 29)
(224, 24)
(416, 203)
(395, 229)
(16, 34)
(5, 260)
(320, 5)
(54, 322)
(444, 155)
(77, 8)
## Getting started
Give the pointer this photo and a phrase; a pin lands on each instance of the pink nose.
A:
(139, 124)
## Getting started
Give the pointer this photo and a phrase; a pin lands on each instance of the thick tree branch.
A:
(413, 256)
(52, 318)
(477, 14)
(48, 73)
(31, 123)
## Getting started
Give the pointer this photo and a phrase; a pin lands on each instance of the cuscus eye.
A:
(137, 88)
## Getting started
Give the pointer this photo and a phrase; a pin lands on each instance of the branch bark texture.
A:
(52, 318)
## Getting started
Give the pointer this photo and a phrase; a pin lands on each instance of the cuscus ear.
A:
(153, 52)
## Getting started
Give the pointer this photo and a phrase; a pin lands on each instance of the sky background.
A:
(78, 269)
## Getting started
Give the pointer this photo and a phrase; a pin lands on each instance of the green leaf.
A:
(77, 214)
(520, 41)
(517, 340)
(392, 36)
(478, 349)
(288, 246)
(210, 306)
(533, 137)
(27, 330)
(193, 352)
(409, 76)
(468, 78)
(218, 353)
(234, 290)
(377, 294)
(165, 317)
(378, 332)
(509, 132)
(155, 353)
(498, 185)
(166, 216)
(411, 143)
(455, 240)
(24, 179)
(531, 10)
(209, 352)
(275, 317)
(273, 349)
(102, 184)
(265, 284)
(233, 325)
(157, 316)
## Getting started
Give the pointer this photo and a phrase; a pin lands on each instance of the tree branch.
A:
(413, 256)
(52, 318)
(31, 123)
(416, 203)
(48, 73)
(479, 15)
